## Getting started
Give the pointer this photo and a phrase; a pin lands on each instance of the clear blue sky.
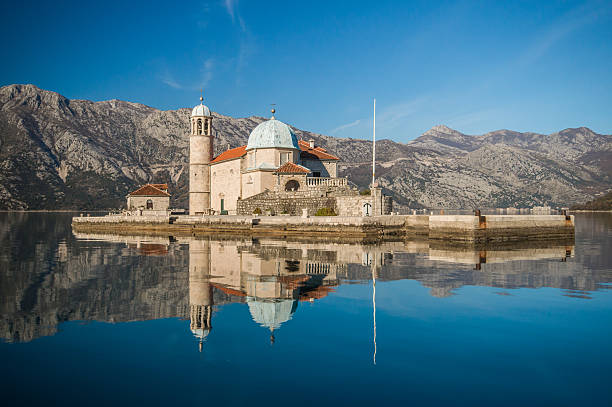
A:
(475, 66)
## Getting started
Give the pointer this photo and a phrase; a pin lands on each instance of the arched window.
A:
(292, 185)
(205, 126)
(199, 126)
(149, 204)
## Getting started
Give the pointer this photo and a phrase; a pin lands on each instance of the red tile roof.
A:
(149, 190)
(228, 290)
(308, 153)
(163, 187)
(291, 168)
(230, 154)
(314, 153)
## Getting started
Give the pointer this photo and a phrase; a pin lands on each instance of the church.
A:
(274, 173)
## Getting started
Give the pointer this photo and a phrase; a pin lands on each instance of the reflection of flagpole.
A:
(374, 301)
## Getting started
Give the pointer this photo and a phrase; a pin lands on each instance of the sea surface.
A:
(127, 320)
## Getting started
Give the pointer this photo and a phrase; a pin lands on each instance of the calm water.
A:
(109, 320)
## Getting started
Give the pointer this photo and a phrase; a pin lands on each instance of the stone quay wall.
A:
(499, 228)
(443, 228)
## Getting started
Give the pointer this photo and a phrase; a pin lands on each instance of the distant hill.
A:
(602, 203)
(57, 153)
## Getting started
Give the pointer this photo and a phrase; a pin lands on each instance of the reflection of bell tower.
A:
(200, 156)
(200, 290)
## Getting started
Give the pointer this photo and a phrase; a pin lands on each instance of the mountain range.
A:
(57, 153)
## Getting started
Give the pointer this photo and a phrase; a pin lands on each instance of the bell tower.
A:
(200, 156)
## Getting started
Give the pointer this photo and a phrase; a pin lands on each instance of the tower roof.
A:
(272, 134)
(201, 109)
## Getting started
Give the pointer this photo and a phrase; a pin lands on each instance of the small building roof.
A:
(314, 153)
(149, 190)
(291, 168)
(230, 154)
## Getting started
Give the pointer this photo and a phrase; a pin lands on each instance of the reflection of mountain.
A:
(48, 277)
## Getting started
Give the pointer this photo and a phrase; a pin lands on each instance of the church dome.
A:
(200, 110)
(272, 134)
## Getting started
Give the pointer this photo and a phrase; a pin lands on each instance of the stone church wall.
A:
(225, 184)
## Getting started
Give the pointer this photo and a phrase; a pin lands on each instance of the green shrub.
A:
(257, 211)
(325, 212)
(364, 192)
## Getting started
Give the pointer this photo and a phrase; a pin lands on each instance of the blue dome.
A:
(272, 134)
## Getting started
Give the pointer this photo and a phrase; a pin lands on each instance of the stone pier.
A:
(461, 228)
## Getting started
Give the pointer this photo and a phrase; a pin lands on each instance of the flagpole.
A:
(374, 147)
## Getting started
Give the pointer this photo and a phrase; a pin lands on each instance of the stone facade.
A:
(226, 185)
(344, 202)
(148, 203)
(277, 204)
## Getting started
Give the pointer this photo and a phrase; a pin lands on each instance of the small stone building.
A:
(150, 198)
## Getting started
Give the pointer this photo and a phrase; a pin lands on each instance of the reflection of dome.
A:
(271, 314)
(272, 134)
(200, 110)
(200, 333)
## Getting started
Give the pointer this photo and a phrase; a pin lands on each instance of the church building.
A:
(274, 172)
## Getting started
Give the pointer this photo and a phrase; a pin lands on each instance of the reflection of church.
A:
(271, 284)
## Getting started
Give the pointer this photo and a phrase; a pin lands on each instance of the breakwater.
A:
(451, 228)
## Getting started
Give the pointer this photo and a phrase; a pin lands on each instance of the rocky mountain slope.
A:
(58, 153)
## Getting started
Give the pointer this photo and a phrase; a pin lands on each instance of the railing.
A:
(325, 181)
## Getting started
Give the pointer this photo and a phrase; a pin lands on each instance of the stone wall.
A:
(354, 205)
(312, 199)
(278, 204)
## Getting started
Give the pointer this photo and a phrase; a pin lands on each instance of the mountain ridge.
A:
(58, 153)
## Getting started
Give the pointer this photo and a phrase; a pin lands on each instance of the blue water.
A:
(99, 321)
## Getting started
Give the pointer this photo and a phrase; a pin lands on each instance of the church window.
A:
(284, 157)
(149, 204)
(199, 126)
(205, 126)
